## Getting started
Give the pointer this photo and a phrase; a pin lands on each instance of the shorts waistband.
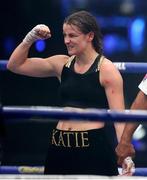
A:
(76, 139)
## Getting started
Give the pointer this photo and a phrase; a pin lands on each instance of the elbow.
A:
(8, 66)
(11, 66)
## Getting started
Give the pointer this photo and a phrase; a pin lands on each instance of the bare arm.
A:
(125, 148)
(113, 84)
(140, 102)
(37, 67)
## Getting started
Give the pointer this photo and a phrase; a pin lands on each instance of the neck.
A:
(86, 58)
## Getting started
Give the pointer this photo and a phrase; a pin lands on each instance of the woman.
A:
(88, 79)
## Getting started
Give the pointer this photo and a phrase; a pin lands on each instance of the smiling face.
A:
(76, 29)
(75, 41)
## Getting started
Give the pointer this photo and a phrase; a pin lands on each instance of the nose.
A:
(66, 40)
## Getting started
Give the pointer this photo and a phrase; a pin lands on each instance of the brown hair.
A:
(86, 22)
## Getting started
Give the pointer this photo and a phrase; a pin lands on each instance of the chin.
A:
(71, 53)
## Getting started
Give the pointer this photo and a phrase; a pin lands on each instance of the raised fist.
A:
(40, 31)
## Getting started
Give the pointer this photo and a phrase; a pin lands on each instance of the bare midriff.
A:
(74, 125)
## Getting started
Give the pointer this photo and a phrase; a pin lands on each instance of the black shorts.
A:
(80, 152)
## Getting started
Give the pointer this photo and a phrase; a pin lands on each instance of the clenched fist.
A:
(40, 31)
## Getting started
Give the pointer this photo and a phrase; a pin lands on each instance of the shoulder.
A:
(56, 63)
(58, 58)
(109, 73)
(107, 65)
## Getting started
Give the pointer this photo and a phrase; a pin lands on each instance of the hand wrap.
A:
(40, 31)
(128, 166)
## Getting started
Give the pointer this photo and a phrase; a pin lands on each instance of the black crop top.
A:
(82, 90)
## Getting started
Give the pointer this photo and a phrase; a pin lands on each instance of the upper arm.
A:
(42, 67)
(112, 81)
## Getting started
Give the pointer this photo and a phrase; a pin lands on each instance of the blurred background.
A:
(123, 25)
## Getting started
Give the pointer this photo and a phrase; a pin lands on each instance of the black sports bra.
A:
(82, 90)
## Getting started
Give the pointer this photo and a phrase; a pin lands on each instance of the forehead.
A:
(70, 28)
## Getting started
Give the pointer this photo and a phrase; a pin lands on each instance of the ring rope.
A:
(3, 65)
(124, 67)
(90, 114)
(141, 171)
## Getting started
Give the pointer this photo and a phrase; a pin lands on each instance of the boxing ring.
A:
(9, 113)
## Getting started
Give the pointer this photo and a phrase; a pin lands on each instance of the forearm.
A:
(128, 132)
(125, 148)
(119, 127)
(140, 103)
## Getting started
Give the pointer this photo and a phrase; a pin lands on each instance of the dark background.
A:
(26, 142)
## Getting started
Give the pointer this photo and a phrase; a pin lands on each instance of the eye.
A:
(73, 35)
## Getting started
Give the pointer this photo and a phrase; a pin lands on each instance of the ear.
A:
(91, 36)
